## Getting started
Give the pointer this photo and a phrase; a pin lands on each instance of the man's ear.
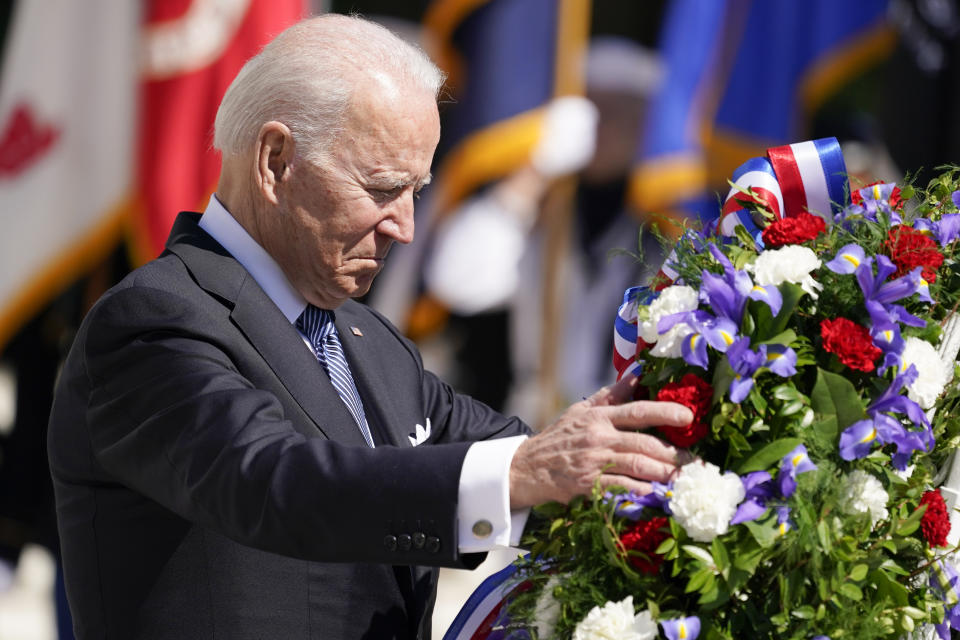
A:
(275, 153)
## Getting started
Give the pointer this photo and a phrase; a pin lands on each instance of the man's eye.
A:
(386, 195)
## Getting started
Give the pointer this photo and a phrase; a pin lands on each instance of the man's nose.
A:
(399, 224)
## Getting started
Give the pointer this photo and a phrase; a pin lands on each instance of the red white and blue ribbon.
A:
(805, 176)
(625, 334)
(483, 614)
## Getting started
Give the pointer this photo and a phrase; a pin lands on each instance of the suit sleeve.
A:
(171, 417)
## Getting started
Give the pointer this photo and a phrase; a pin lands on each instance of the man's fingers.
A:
(614, 394)
(648, 413)
(651, 447)
(637, 486)
(640, 467)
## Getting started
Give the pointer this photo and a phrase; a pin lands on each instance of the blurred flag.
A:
(192, 49)
(67, 119)
(505, 59)
(744, 75)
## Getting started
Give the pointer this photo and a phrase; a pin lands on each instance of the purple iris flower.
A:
(945, 230)
(945, 581)
(886, 337)
(858, 439)
(719, 333)
(879, 293)
(876, 199)
(694, 347)
(727, 294)
(681, 628)
(627, 505)
(848, 259)
(758, 487)
(744, 361)
(784, 523)
(797, 461)
(782, 360)
(659, 497)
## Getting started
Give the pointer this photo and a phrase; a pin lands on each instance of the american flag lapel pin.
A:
(356, 331)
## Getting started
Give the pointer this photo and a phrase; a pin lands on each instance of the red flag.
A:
(192, 51)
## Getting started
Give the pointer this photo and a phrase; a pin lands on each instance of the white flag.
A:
(68, 90)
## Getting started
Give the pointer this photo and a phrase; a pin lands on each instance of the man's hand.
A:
(597, 438)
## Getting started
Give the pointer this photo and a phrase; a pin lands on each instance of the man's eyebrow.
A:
(400, 183)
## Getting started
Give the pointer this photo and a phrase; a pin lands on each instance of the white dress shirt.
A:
(483, 508)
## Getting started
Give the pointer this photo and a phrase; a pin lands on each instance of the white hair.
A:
(306, 77)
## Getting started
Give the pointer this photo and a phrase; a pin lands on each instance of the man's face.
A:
(336, 223)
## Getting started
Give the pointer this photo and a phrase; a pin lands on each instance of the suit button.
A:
(433, 544)
(404, 542)
(390, 543)
(419, 539)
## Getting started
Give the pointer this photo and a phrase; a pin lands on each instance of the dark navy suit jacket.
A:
(210, 482)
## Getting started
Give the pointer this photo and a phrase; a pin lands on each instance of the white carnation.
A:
(791, 263)
(616, 621)
(863, 494)
(673, 299)
(704, 500)
(933, 372)
(547, 610)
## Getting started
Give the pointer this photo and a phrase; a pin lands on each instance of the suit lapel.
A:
(266, 328)
(283, 349)
(371, 376)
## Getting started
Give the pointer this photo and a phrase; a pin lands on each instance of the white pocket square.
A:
(420, 435)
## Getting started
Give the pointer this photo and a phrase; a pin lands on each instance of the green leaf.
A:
(700, 554)
(806, 612)
(768, 455)
(698, 580)
(785, 338)
(556, 524)
(786, 392)
(823, 533)
(851, 591)
(791, 408)
(910, 524)
(859, 572)
(722, 377)
(906, 623)
(769, 327)
(835, 397)
(720, 557)
(889, 588)
(665, 546)
(914, 613)
(766, 536)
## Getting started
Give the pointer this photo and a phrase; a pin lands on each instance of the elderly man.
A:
(241, 451)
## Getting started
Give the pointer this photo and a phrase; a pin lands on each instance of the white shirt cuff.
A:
(483, 511)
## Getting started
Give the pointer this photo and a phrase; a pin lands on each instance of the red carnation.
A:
(696, 395)
(793, 230)
(910, 248)
(935, 522)
(645, 536)
(896, 203)
(851, 342)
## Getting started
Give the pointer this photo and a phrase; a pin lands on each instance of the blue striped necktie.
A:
(317, 325)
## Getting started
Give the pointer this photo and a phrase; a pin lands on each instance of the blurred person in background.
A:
(488, 256)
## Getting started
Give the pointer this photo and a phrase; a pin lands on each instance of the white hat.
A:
(616, 63)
